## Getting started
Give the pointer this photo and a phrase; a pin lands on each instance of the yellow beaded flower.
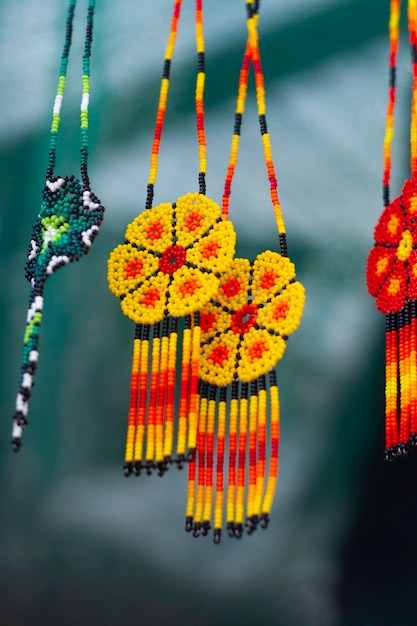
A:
(171, 259)
(245, 326)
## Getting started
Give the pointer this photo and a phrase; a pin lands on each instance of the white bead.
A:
(84, 102)
(17, 431)
(55, 185)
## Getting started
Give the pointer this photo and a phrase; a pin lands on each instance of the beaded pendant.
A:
(244, 329)
(392, 267)
(66, 226)
(166, 271)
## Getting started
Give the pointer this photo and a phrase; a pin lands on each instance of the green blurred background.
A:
(80, 544)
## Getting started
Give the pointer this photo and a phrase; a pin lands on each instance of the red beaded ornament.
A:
(392, 266)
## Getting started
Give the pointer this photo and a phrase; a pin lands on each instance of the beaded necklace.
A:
(244, 332)
(67, 223)
(165, 272)
(392, 264)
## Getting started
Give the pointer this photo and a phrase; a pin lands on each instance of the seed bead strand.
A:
(85, 98)
(56, 112)
(184, 387)
(201, 459)
(412, 27)
(261, 457)
(208, 479)
(191, 490)
(253, 442)
(391, 382)
(231, 479)
(394, 20)
(199, 96)
(274, 458)
(242, 447)
(162, 393)
(260, 98)
(170, 397)
(194, 396)
(163, 96)
(234, 150)
(413, 372)
(153, 396)
(133, 408)
(221, 433)
(404, 365)
(143, 390)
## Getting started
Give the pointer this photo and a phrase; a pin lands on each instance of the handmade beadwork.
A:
(392, 266)
(244, 333)
(171, 258)
(168, 268)
(244, 329)
(65, 228)
(166, 271)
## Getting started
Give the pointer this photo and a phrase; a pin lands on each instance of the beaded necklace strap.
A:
(392, 92)
(252, 55)
(244, 331)
(56, 114)
(163, 98)
(67, 223)
(412, 29)
(392, 264)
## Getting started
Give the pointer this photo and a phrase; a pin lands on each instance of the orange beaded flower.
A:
(392, 263)
(170, 260)
(245, 326)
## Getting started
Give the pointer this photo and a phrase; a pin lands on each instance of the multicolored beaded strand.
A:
(66, 226)
(244, 332)
(392, 265)
(165, 272)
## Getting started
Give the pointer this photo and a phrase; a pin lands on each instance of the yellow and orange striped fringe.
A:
(234, 420)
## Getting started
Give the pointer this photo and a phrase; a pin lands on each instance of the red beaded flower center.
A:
(133, 268)
(172, 259)
(231, 288)
(207, 321)
(244, 319)
(219, 355)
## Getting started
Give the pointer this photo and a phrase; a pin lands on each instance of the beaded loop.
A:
(252, 55)
(163, 98)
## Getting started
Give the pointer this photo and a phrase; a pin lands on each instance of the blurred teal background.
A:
(80, 544)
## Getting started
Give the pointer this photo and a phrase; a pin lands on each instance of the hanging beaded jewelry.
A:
(67, 224)
(392, 265)
(167, 269)
(244, 329)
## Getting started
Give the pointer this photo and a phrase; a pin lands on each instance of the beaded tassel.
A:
(392, 266)
(166, 271)
(66, 226)
(244, 329)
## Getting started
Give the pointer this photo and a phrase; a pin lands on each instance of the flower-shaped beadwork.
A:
(171, 259)
(392, 263)
(245, 327)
